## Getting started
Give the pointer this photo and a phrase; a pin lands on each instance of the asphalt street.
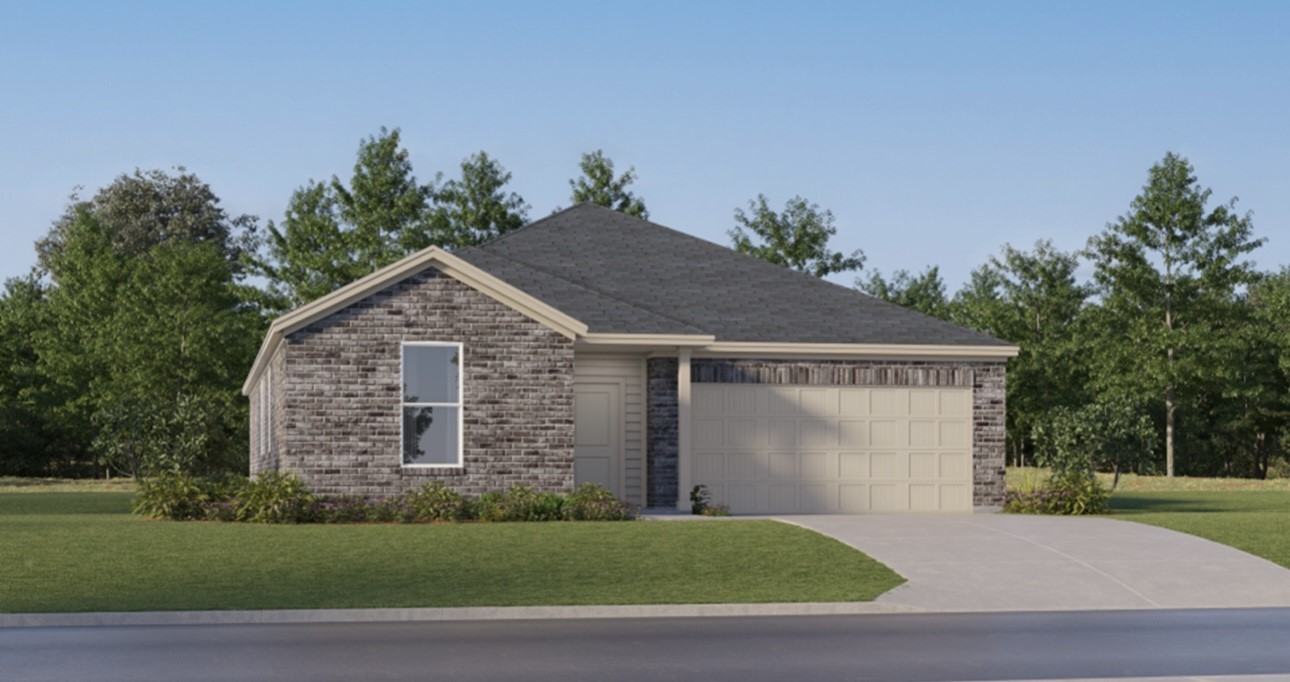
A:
(893, 648)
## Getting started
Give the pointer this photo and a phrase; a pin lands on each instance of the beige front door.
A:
(833, 449)
(597, 434)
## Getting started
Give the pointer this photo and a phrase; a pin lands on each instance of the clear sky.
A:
(935, 132)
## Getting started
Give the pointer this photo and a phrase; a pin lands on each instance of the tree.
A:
(30, 442)
(599, 186)
(147, 208)
(333, 234)
(798, 238)
(1164, 271)
(140, 328)
(1033, 300)
(924, 292)
(475, 209)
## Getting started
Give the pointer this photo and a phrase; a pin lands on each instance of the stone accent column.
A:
(661, 435)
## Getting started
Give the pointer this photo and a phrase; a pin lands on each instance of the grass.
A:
(15, 484)
(85, 552)
(1250, 515)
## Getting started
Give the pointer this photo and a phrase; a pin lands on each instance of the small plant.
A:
(700, 498)
(521, 503)
(716, 510)
(340, 509)
(179, 496)
(591, 502)
(274, 497)
(437, 502)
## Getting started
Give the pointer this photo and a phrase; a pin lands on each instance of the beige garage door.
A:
(814, 449)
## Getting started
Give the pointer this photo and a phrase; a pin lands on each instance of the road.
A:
(893, 648)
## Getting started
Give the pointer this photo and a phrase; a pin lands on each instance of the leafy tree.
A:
(1032, 298)
(333, 234)
(600, 186)
(1165, 271)
(797, 238)
(147, 208)
(30, 442)
(131, 334)
(924, 292)
(475, 209)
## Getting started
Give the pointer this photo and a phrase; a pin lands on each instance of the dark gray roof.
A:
(619, 274)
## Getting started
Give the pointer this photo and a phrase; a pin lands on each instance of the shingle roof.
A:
(619, 274)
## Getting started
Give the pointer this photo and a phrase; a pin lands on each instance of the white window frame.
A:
(460, 404)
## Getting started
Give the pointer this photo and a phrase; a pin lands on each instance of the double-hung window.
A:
(431, 404)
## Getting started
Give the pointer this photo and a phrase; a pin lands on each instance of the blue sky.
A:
(935, 132)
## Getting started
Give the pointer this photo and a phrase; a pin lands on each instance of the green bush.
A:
(591, 502)
(274, 497)
(437, 502)
(520, 503)
(179, 496)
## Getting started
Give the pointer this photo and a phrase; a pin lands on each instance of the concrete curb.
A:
(44, 620)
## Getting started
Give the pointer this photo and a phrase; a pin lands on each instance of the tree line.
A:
(125, 347)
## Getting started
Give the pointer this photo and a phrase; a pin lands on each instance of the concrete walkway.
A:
(1003, 562)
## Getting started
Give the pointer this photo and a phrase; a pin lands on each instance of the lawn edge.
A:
(298, 616)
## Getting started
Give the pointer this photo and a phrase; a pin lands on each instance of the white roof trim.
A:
(688, 340)
(435, 257)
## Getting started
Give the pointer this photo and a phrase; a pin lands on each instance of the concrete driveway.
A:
(1003, 562)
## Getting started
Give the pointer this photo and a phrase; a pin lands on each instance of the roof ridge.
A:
(594, 290)
(521, 228)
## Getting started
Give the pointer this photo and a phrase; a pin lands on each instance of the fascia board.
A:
(446, 263)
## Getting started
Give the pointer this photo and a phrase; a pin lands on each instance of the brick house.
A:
(593, 346)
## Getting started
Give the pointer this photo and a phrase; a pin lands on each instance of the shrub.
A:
(591, 502)
(700, 498)
(340, 509)
(437, 502)
(716, 510)
(521, 503)
(179, 496)
(274, 497)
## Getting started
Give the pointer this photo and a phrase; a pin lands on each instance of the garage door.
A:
(813, 449)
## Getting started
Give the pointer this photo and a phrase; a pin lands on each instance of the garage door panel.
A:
(782, 465)
(887, 465)
(745, 466)
(781, 400)
(709, 433)
(923, 433)
(814, 465)
(889, 403)
(890, 497)
(814, 498)
(781, 433)
(923, 403)
(954, 434)
(710, 466)
(708, 400)
(924, 465)
(853, 465)
(743, 433)
(954, 465)
(819, 402)
(853, 499)
(923, 497)
(853, 402)
(817, 433)
(804, 449)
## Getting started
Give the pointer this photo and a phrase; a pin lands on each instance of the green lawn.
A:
(1255, 521)
(84, 552)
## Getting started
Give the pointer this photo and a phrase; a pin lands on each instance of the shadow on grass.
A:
(1141, 502)
(41, 504)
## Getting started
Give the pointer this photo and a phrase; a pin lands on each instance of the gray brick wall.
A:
(341, 389)
(986, 379)
(661, 431)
